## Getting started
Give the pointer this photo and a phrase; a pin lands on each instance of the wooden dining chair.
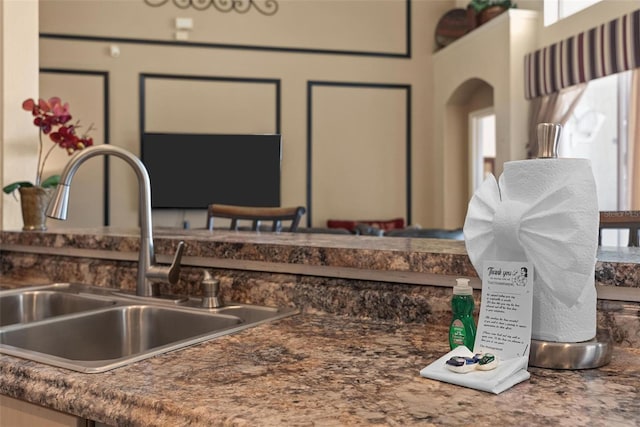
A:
(256, 215)
(625, 220)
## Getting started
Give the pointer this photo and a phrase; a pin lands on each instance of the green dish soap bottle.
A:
(463, 328)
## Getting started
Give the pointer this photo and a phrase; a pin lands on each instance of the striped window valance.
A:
(607, 49)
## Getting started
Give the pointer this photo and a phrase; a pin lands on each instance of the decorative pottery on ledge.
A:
(489, 13)
(34, 202)
(458, 22)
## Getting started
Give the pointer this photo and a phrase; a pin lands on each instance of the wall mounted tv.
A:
(191, 171)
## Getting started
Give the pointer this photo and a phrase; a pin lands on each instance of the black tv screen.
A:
(191, 171)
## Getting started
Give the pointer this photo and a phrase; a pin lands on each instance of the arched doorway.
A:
(470, 96)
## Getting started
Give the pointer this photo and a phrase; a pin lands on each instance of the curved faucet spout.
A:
(58, 206)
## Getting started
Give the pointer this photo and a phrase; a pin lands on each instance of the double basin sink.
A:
(91, 330)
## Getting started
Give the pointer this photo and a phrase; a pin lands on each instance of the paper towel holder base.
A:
(580, 355)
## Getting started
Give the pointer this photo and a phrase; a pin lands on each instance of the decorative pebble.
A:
(480, 361)
(487, 362)
(462, 365)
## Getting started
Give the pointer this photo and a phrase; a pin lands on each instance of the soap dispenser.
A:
(463, 328)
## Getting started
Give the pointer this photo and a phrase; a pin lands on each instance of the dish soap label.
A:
(457, 333)
(463, 328)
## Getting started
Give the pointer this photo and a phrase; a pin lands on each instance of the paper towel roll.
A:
(546, 213)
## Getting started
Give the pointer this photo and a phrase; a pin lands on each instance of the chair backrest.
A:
(629, 220)
(256, 215)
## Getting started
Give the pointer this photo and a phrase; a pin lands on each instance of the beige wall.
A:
(81, 91)
(18, 81)
(493, 53)
(359, 146)
(373, 184)
(305, 42)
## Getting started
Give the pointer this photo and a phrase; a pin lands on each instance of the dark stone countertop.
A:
(615, 266)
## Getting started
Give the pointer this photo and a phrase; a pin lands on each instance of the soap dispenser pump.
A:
(211, 291)
(463, 328)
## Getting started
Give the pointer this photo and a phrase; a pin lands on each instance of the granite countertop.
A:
(314, 368)
(323, 370)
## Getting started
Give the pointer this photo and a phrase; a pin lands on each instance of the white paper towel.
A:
(544, 211)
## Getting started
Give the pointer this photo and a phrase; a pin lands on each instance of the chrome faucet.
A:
(148, 271)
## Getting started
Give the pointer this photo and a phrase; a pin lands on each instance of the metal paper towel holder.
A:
(572, 355)
(566, 355)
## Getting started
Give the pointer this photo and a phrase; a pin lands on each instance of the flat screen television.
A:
(191, 171)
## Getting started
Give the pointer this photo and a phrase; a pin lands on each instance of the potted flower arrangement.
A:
(486, 10)
(52, 118)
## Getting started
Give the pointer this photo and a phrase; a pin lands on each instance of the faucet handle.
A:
(171, 273)
(174, 269)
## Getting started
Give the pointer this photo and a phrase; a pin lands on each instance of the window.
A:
(483, 140)
(597, 131)
(555, 10)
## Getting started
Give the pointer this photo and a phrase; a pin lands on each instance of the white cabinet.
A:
(17, 413)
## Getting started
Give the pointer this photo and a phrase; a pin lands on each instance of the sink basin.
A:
(31, 306)
(100, 339)
(96, 333)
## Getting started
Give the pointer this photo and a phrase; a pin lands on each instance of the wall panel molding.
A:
(105, 132)
(144, 76)
(406, 88)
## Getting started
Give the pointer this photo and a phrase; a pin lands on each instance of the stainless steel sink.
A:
(31, 306)
(250, 314)
(96, 330)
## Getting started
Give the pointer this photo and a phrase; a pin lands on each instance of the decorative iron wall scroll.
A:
(607, 49)
(265, 7)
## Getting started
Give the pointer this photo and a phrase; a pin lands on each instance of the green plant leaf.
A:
(52, 181)
(13, 187)
(480, 5)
